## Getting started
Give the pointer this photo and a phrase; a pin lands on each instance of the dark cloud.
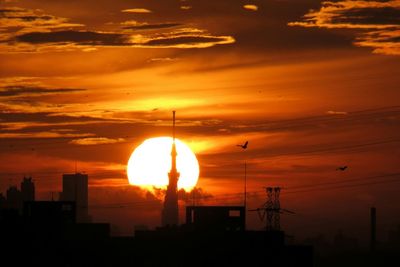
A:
(79, 37)
(154, 26)
(28, 19)
(383, 42)
(25, 30)
(31, 18)
(44, 117)
(190, 41)
(369, 16)
(4, 11)
(381, 19)
(14, 90)
(197, 195)
(90, 38)
(221, 22)
(137, 206)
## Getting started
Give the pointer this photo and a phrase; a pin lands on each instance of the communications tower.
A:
(170, 213)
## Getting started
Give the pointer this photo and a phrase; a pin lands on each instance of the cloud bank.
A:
(377, 23)
(25, 30)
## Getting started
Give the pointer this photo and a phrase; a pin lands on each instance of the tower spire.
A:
(173, 125)
(173, 152)
(170, 215)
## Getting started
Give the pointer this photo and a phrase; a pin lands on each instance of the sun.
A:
(150, 163)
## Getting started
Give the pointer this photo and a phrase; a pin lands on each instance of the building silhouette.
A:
(49, 212)
(75, 188)
(27, 189)
(3, 201)
(14, 198)
(170, 213)
(216, 218)
(57, 234)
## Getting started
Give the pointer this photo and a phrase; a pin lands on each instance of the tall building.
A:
(14, 198)
(3, 201)
(28, 189)
(75, 188)
(170, 215)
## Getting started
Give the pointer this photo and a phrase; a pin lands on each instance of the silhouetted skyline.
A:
(311, 85)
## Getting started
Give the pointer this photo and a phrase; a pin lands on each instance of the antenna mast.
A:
(173, 127)
(245, 184)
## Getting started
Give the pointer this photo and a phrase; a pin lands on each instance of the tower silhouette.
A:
(28, 189)
(170, 214)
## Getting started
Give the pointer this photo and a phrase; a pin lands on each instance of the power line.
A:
(345, 186)
(346, 181)
(349, 147)
(289, 190)
(314, 152)
(351, 116)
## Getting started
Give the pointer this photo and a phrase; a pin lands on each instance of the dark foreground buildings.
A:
(75, 188)
(48, 235)
(51, 233)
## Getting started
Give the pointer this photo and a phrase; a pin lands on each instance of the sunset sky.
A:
(313, 85)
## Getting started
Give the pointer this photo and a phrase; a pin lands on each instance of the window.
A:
(66, 207)
(234, 213)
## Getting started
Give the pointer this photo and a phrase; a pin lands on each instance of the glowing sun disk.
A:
(150, 164)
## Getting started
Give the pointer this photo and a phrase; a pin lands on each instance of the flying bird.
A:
(244, 146)
(343, 168)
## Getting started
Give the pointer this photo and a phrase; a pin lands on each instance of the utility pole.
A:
(245, 184)
(373, 229)
(245, 193)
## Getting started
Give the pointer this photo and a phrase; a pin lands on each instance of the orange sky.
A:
(311, 85)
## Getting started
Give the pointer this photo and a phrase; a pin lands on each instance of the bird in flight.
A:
(343, 168)
(244, 146)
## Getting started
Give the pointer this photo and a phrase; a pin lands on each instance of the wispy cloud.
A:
(47, 134)
(23, 30)
(136, 10)
(383, 41)
(251, 7)
(189, 41)
(96, 141)
(354, 15)
(163, 59)
(15, 21)
(19, 90)
(81, 39)
(134, 25)
(333, 112)
(74, 37)
(185, 7)
(382, 18)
